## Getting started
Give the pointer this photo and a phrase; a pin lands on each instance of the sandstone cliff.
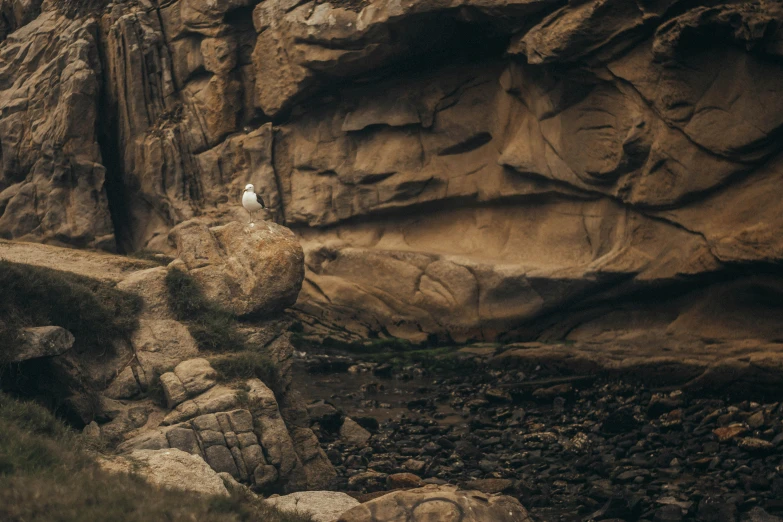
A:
(601, 170)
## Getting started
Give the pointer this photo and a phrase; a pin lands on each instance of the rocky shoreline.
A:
(569, 448)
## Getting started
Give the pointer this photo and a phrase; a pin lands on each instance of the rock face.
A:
(250, 441)
(249, 270)
(442, 503)
(52, 175)
(465, 170)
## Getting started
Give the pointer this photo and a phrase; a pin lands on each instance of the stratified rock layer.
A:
(470, 169)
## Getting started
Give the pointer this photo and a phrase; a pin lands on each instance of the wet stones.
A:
(353, 434)
(604, 450)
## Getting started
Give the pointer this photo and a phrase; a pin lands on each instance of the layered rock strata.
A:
(460, 170)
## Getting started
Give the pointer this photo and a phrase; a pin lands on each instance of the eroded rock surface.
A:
(467, 169)
(252, 269)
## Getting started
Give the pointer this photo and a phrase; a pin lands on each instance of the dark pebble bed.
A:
(569, 448)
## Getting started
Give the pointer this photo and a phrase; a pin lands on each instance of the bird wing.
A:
(260, 201)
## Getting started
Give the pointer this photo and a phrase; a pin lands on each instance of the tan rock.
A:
(353, 434)
(171, 469)
(322, 506)
(196, 375)
(246, 269)
(442, 503)
(220, 54)
(52, 176)
(403, 481)
(173, 389)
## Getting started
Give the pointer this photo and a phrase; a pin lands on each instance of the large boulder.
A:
(249, 269)
(171, 469)
(441, 503)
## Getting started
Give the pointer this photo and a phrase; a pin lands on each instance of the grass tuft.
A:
(246, 365)
(213, 328)
(94, 312)
(215, 331)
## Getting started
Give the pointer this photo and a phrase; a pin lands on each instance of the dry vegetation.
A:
(216, 333)
(47, 475)
(94, 312)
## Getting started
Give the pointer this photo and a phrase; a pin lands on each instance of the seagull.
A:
(252, 201)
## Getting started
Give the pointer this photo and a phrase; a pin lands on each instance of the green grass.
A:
(213, 328)
(397, 352)
(216, 332)
(246, 365)
(442, 359)
(96, 313)
(368, 346)
(47, 476)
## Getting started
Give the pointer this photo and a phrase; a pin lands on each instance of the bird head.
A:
(249, 188)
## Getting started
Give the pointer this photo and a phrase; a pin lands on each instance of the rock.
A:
(300, 462)
(247, 270)
(220, 459)
(490, 486)
(497, 395)
(265, 476)
(196, 376)
(756, 421)
(169, 468)
(367, 480)
(353, 434)
(42, 341)
(366, 176)
(728, 433)
(173, 389)
(52, 176)
(235, 488)
(416, 466)
(660, 404)
(325, 415)
(403, 481)
(716, 510)
(322, 506)
(668, 513)
(443, 503)
(92, 431)
(620, 421)
(758, 514)
(756, 445)
(162, 344)
(553, 391)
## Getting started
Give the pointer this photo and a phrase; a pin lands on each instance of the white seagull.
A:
(252, 201)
